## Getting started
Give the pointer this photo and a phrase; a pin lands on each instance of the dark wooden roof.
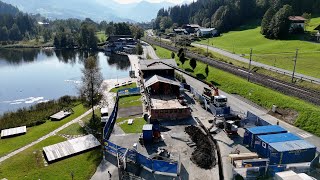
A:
(114, 38)
(317, 28)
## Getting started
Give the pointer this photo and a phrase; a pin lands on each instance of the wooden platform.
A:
(13, 131)
(68, 148)
(60, 115)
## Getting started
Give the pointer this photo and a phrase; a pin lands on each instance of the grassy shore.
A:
(29, 164)
(309, 114)
(35, 132)
(278, 53)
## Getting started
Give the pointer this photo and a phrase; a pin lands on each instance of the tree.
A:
(56, 42)
(165, 23)
(88, 39)
(182, 58)
(180, 51)
(308, 17)
(207, 70)
(139, 49)
(14, 33)
(193, 63)
(279, 25)
(46, 35)
(110, 29)
(265, 23)
(4, 34)
(91, 82)
(173, 55)
(136, 31)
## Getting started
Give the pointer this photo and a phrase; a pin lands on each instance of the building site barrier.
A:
(253, 120)
(129, 91)
(112, 119)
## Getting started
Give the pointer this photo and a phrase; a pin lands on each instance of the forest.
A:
(226, 15)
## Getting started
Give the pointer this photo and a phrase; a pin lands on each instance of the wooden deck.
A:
(67, 148)
(13, 131)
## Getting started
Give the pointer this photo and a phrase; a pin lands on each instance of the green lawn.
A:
(133, 85)
(73, 129)
(34, 133)
(29, 164)
(136, 127)
(129, 101)
(101, 36)
(278, 53)
(309, 114)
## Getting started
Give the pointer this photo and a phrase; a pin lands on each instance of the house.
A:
(149, 68)
(318, 33)
(162, 90)
(180, 31)
(191, 28)
(297, 22)
(118, 42)
(207, 32)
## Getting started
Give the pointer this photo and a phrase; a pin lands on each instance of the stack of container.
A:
(251, 134)
(262, 142)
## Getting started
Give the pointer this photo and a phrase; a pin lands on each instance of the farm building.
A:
(207, 32)
(297, 22)
(191, 28)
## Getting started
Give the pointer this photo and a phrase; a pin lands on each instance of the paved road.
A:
(148, 50)
(44, 137)
(254, 63)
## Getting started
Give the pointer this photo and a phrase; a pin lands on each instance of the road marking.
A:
(304, 134)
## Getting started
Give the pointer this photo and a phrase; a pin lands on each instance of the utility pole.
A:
(249, 70)
(208, 47)
(295, 63)
(160, 40)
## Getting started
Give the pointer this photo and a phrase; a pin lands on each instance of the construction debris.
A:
(204, 154)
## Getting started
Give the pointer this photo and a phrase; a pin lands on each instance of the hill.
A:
(8, 9)
(279, 53)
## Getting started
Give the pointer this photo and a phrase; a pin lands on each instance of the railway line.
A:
(290, 89)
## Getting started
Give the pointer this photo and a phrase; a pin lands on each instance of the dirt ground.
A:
(287, 115)
(130, 111)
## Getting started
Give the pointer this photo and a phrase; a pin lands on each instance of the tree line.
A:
(229, 14)
(124, 29)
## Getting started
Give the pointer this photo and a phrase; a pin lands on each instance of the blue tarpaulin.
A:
(129, 91)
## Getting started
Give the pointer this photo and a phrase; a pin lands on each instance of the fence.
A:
(253, 120)
(156, 166)
(129, 91)
(112, 119)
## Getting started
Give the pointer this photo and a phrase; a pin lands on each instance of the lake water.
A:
(31, 76)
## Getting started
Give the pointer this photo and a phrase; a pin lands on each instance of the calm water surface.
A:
(31, 76)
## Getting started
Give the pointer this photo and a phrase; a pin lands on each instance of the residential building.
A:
(207, 32)
(118, 42)
(191, 28)
(180, 31)
(149, 68)
(297, 22)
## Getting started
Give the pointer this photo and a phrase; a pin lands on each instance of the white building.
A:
(296, 22)
(206, 32)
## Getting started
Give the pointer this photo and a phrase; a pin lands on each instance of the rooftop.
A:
(291, 145)
(206, 29)
(147, 127)
(13, 131)
(272, 138)
(157, 64)
(266, 129)
(166, 102)
(154, 79)
(297, 18)
(60, 115)
(317, 28)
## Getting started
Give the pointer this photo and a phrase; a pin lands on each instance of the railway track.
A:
(290, 89)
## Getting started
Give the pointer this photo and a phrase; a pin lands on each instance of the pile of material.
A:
(204, 154)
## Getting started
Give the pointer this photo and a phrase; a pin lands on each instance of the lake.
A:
(30, 76)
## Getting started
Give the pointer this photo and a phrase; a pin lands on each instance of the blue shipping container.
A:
(147, 132)
(262, 142)
(251, 133)
(291, 152)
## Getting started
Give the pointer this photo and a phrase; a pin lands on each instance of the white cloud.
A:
(171, 1)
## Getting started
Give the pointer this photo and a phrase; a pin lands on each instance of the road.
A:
(241, 106)
(254, 63)
(52, 133)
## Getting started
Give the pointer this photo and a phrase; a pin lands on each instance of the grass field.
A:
(136, 127)
(101, 36)
(34, 133)
(133, 85)
(29, 164)
(73, 129)
(129, 101)
(278, 53)
(309, 115)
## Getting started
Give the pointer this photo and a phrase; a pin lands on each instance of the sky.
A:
(171, 1)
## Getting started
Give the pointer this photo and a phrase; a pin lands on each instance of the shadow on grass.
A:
(201, 76)
(189, 70)
(215, 83)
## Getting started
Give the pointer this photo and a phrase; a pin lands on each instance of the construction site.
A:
(191, 131)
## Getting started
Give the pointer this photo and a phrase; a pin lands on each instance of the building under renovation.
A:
(162, 90)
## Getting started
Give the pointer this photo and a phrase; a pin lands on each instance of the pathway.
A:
(254, 63)
(44, 137)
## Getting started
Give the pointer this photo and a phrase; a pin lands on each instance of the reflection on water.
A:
(31, 76)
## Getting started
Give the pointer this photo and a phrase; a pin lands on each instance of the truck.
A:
(104, 114)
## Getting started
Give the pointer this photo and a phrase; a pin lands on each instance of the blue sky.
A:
(172, 1)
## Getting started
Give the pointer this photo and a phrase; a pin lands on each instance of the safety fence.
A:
(129, 91)
(253, 120)
(151, 165)
(112, 119)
